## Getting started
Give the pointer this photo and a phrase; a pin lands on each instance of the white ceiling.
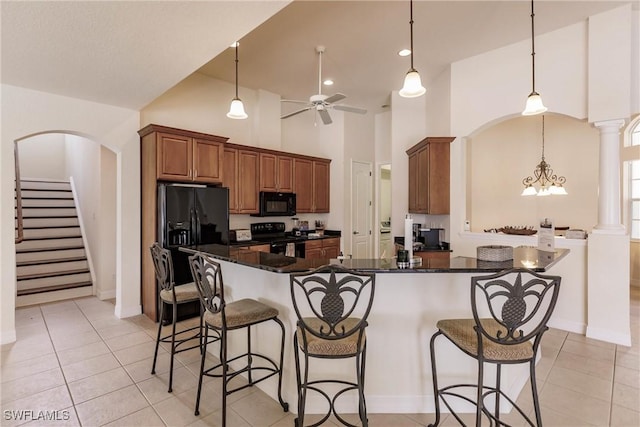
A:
(128, 53)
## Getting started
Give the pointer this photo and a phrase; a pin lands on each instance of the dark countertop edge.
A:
(307, 265)
(298, 239)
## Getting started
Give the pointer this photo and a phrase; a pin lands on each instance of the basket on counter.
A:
(494, 253)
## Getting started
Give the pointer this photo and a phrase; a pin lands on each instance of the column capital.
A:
(616, 123)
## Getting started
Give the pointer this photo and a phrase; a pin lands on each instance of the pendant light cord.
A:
(533, 53)
(411, 29)
(237, 44)
(543, 137)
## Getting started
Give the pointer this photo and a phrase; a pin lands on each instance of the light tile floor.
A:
(77, 358)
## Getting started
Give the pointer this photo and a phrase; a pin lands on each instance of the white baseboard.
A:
(609, 336)
(7, 337)
(568, 325)
(108, 294)
(122, 312)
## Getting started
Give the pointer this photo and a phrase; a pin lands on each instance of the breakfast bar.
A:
(407, 304)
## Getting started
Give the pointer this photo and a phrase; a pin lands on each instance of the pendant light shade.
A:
(412, 87)
(534, 103)
(236, 110)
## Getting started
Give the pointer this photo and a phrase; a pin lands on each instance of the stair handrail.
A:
(19, 219)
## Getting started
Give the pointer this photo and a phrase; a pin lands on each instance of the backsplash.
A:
(237, 221)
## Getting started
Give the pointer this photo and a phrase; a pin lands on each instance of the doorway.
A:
(361, 209)
(385, 242)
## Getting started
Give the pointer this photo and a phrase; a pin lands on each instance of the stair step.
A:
(49, 260)
(57, 281)
(45, 185)
(52, 288)
(47, 194)
(51, 233)
(49, 255)
(50, 222)
(49, 244)
(33, 212)
(48, 203)
(48, 274)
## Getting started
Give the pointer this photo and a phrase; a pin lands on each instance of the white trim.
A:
(7, 337)
(567, 325)
(122, 312)
(609, 336)
(108, 294)
(85, 243)
(51, 296)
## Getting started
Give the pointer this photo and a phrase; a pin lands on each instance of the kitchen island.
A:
(407, 304)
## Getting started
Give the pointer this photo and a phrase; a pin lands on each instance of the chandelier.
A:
(549, 182)
(236, 110)
(412, 87)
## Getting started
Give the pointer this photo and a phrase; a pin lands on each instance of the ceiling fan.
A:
(321, 103)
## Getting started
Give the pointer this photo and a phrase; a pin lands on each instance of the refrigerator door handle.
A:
(197, 221)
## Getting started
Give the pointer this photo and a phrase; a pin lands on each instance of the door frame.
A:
(352, 205)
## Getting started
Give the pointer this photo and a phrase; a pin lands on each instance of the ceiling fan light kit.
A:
(534, 103)
(236, 109)
(320, 102)
(412, 87)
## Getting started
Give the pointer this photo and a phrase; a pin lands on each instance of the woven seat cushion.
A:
(461, 332)
(184, 293)
(241, 313)
(326, 347)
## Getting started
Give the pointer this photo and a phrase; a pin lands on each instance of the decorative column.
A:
(609, 219)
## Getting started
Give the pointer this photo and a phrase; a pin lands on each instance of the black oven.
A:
(277, 204)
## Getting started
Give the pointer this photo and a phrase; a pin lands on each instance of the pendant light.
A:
(534, 101)
(412, 87)
(550, 183)
(236, 110)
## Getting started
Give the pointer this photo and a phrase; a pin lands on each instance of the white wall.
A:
(501, 156)
(43, 157)
(27, 112)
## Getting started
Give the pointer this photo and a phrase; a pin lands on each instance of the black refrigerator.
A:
(191, 215)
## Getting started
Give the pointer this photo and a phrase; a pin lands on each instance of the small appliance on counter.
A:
(240, 235)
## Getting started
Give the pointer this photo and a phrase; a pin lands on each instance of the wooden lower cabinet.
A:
(322, 248)
(433, 255)
(260, 248)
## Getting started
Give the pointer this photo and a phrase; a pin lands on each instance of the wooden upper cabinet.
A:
(276, 173)
(303, 185)
(182, 157)
(311, 185)
(321, 186)
(241, 177)
(429, 166)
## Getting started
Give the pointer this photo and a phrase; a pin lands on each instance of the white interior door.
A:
(361, 209)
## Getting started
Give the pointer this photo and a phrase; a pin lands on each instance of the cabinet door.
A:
(261, 248)
(230, 177)
(174, 157)
(321, 187)
(303, 185)
(331, 248)
(422, 190)
(268, 172)
(248, 181)
(438, 179)
(413, 182)
(285, 174)
(207, 161)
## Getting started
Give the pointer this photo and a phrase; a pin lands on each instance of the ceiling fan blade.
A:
(295, 101)
(326, 118)
(295, 112)
(335, 98)
(350, 109)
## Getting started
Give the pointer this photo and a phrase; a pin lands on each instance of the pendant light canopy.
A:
(534, 101)
(550, 183)
(412, 87)
(236, 110)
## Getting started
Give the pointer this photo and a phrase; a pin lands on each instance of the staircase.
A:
(51, 256)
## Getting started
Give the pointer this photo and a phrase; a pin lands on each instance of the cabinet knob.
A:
(356, 232)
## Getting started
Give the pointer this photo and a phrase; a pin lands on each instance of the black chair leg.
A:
(299, 422)
(223, 360)
(155, 354)
(285, 405)
(249, 357)
(498, 395)
(436, 394)
(534, 393)
(173, 344)
(202, 359)
(360, 370)
(479, 403)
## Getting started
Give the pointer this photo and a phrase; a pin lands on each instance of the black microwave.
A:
(277, 204)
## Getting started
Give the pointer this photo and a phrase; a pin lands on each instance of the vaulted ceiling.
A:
(128, 53)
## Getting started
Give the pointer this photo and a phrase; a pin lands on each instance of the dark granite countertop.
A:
(523, 256)
(289, 238)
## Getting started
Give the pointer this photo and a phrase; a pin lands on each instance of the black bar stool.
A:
(173, 295)
(510, 314)
(332, 305)
(221, 317)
